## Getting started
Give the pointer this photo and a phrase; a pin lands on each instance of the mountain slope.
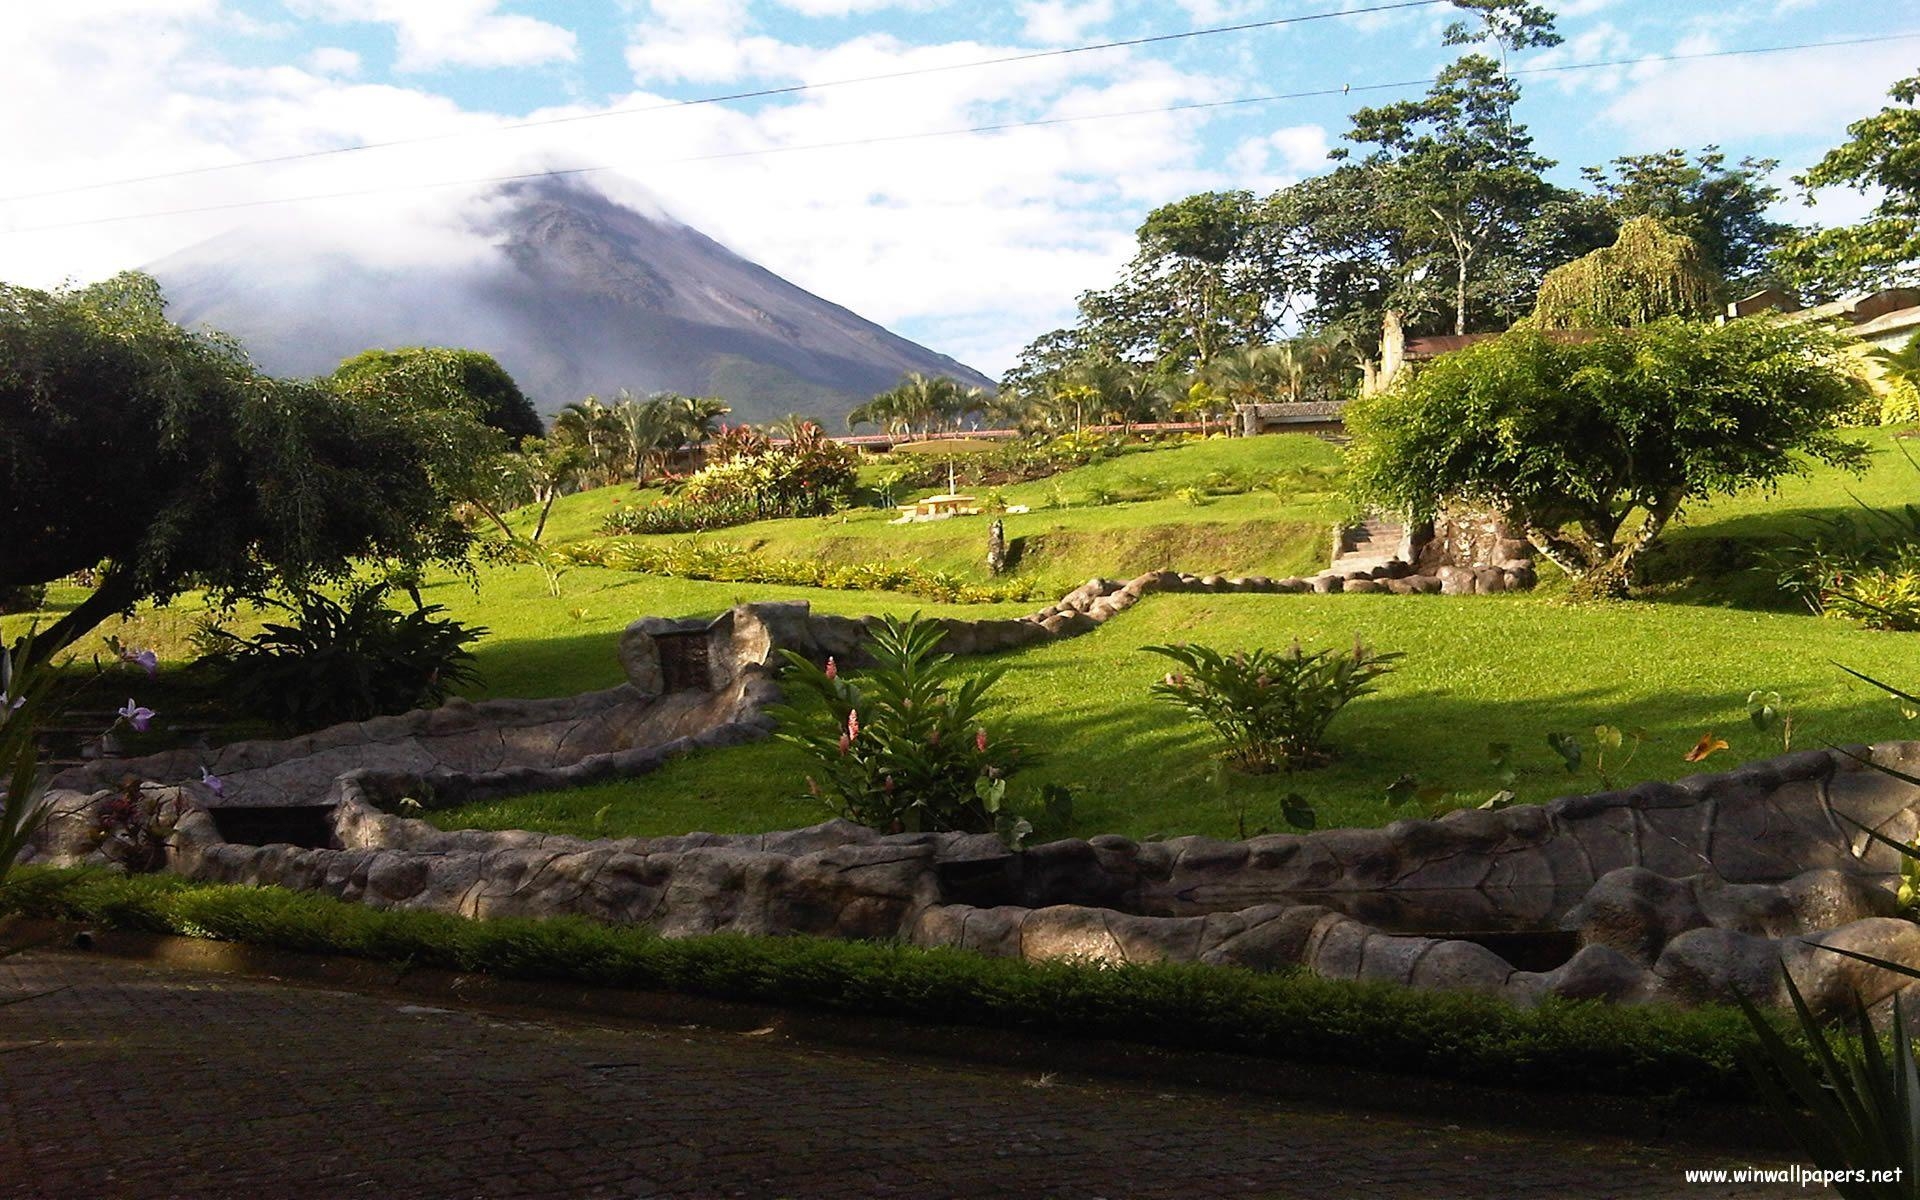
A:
(574, 293)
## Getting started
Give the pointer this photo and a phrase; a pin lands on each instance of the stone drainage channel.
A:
(1691, 891)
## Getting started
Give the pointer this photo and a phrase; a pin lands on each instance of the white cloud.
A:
(1060, 22)
(453, 33)
(333, 60)
(843, 8)
(1806, 93)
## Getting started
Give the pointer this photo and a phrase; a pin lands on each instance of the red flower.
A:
(853, 723)
(980, 741)
(833, 669)
(845, 742)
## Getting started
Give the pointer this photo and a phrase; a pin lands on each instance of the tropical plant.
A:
(808, 476)
(1270, 708)
(908, 745)
(344, 660)
(1850, 1102)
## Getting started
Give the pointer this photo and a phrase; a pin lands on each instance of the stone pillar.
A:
(997, 546)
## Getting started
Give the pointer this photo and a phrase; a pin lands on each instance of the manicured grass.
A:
(1478, 670)
(1715, 552)
(1557, 1045)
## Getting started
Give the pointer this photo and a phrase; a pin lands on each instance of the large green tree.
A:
(165, 455)
(1723, 208)
(1208, 277)
(1454, 171)
(1591, 447)
(484, 384)
(1883, 152)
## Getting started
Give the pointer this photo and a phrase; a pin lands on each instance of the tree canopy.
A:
(1590, 447)
(1882, 151)
(495, 398)
(166, 455)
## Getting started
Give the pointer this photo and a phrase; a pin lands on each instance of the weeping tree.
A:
(167, 459)
(1649, 272)
(1591, 447)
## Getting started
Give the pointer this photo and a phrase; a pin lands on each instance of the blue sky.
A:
(970, 244)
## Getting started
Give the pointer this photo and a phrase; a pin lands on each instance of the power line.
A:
(758, 94)
(565, 172)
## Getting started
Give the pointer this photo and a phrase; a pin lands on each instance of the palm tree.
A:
(651, 428)
(597, 432)
(697, 414)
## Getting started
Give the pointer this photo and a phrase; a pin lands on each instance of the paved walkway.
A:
(138, 1081)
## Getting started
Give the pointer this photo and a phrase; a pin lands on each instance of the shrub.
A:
(1863, 565)
(907, 747)
(1878, 597)
(809, 476)
(1271, 708)
(676, 515)
(728, 563)
(345, 661)
(22, 598)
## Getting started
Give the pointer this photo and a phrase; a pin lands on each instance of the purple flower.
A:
(136, 716)
(146, 660)
(212, 782)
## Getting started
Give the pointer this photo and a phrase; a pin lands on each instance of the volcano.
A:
(573, 292)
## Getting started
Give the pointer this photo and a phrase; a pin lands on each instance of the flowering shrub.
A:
(344, 661)
(1271, 708)
(906, 747)
(136, 822)
(728, 563)
(809, 476)
(26, 686)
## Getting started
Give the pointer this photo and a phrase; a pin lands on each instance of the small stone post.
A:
(997, 546)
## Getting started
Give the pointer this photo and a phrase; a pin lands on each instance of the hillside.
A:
(573, 292)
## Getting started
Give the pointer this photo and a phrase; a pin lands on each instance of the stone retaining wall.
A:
(1680, 892)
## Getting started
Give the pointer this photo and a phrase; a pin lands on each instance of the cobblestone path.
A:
(139, 1081)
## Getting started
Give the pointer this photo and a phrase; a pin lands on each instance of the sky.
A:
(972, 243)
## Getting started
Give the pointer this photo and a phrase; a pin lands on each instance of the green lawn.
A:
(1477, 670)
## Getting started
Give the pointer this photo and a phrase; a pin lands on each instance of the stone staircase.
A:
(1372, 543)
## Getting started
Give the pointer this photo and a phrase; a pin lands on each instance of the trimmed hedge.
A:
(1655, 1051)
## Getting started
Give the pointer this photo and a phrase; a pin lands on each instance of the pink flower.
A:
(845, 742)
(980, 741)
(833, 669)
(853, 723)
(146, 660)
